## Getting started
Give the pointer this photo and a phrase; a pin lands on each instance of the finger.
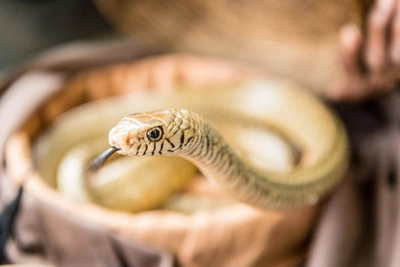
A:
(350, 50)
(377, 35)
(394, 49)
(350, 46)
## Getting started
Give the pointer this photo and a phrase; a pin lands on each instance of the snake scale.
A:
(221, 154)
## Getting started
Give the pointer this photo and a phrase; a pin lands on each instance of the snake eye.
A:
(155, 134)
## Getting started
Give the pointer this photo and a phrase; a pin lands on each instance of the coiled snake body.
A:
(308, 124)
(228, 146)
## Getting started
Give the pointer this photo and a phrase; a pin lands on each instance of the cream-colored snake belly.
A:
(295, 114)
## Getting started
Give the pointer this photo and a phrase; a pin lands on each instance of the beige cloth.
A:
(53, 229)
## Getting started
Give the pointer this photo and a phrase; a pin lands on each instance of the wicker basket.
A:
(72, 234)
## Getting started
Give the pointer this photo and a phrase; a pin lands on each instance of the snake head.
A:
(163, 132)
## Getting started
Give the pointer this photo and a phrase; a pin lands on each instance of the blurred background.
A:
(291, 39)
(31, 26)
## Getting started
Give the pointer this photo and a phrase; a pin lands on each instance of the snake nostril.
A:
(129, 141)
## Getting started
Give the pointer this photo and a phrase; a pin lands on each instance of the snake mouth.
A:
(98, 162)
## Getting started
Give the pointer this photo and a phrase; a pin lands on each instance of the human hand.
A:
(371, 59)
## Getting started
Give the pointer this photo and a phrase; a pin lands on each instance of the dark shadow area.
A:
(31, 26)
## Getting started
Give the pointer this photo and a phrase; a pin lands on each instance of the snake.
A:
(184, 129)
(129, 184)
